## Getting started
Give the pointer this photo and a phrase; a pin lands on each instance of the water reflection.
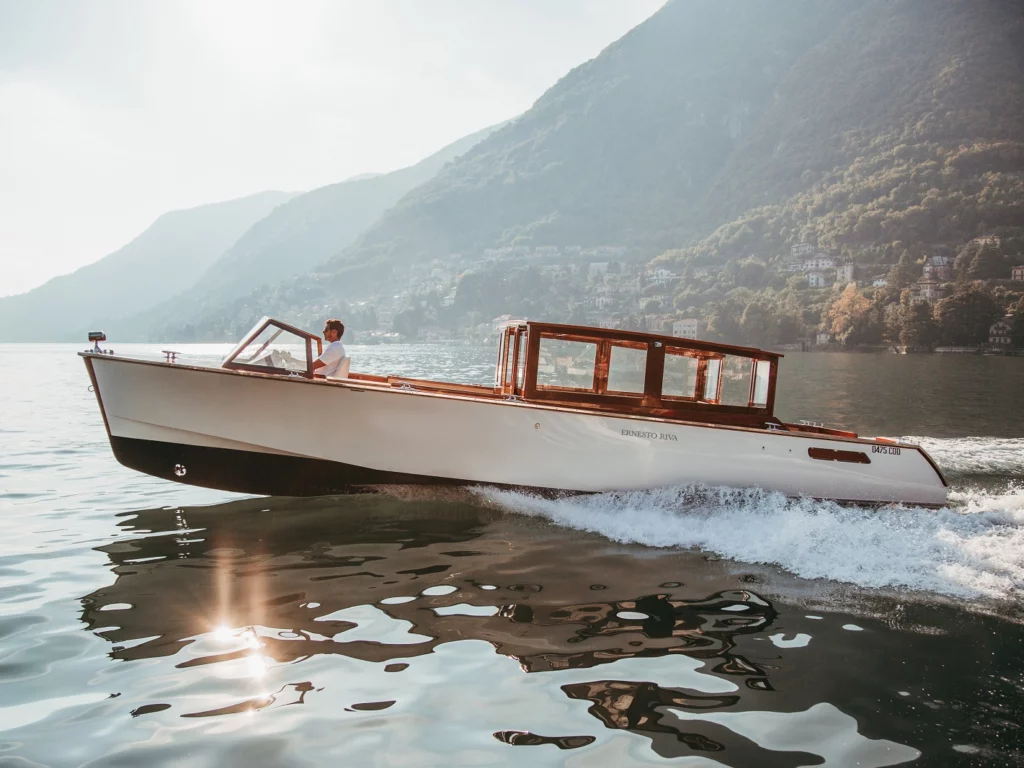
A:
(272, 601)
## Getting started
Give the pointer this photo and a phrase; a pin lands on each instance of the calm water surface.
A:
(147, 623)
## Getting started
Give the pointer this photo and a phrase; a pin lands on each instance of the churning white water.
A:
(972, 548)
(959, 456)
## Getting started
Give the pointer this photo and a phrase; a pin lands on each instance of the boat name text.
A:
(889, 449)
(650, 435)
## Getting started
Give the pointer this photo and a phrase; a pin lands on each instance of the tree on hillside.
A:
(408, 321)
(751, 273)
(988, 264)
(1017, 325)
(966, 316)
(758, 324)
(901, 275)
(918, 329)
(849, 314)
(720, 321)
(964, 258)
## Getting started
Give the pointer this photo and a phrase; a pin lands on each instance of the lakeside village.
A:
(968, 300)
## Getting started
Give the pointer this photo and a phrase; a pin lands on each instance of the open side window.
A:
(736, 380)
(566, 364)
(711, 378)
(680, 376)
(275, 347)
(627, 368)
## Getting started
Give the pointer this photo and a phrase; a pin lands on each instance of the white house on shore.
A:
(687, 328)
(820, 261)
(818, 280)
(999, 333)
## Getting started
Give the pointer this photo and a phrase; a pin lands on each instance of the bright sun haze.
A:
(113, 113)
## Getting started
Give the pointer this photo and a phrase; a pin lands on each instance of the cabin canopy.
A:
(636, 372)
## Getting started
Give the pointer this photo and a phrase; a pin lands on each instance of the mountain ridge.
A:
(293, 239)
(165, 256)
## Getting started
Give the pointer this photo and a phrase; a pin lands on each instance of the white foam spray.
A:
(974, 548)
(978, 456)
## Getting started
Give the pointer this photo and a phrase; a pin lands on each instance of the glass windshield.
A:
(274, 348)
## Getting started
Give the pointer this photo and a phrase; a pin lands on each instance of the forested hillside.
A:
(712, 138)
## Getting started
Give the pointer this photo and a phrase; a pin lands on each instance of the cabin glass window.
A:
(510, 361)
(501, 356)
(762, 376)
(563, 364)
(712, 370)
(627, 369)
(521, 364)
(680, 375)
(736, 372)
(275, 349)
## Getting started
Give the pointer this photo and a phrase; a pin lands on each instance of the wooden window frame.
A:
(652, 402)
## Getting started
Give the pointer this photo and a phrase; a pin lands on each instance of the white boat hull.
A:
(292, 436)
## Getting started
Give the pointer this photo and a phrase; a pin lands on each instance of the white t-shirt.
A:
(331, 357)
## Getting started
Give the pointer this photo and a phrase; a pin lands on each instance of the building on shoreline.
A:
(999, 335)
(688, 328)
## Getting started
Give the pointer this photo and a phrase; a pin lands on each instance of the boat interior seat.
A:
(342, 372)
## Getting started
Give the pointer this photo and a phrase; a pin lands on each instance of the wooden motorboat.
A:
(571, 409)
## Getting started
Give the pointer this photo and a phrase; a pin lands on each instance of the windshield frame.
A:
(266, 322)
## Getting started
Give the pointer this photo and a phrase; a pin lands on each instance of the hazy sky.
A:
(115, 111)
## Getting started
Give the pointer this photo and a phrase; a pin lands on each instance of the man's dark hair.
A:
(335, 325)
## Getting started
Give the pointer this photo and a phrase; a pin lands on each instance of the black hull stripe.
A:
(268, 474)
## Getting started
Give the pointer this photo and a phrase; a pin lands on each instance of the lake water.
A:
(148, 623)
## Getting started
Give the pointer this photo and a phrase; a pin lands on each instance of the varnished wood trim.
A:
(616, 334)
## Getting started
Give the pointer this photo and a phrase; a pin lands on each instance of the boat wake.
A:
(976, 456)
(974, 548)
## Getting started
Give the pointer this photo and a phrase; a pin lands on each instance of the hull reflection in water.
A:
(364, 607)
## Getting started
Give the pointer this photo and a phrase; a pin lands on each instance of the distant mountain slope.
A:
(621, 148)
(891, 93)
(710, 109)
(310, 227)
(719, 130)
(293, 239)
(157, 264)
